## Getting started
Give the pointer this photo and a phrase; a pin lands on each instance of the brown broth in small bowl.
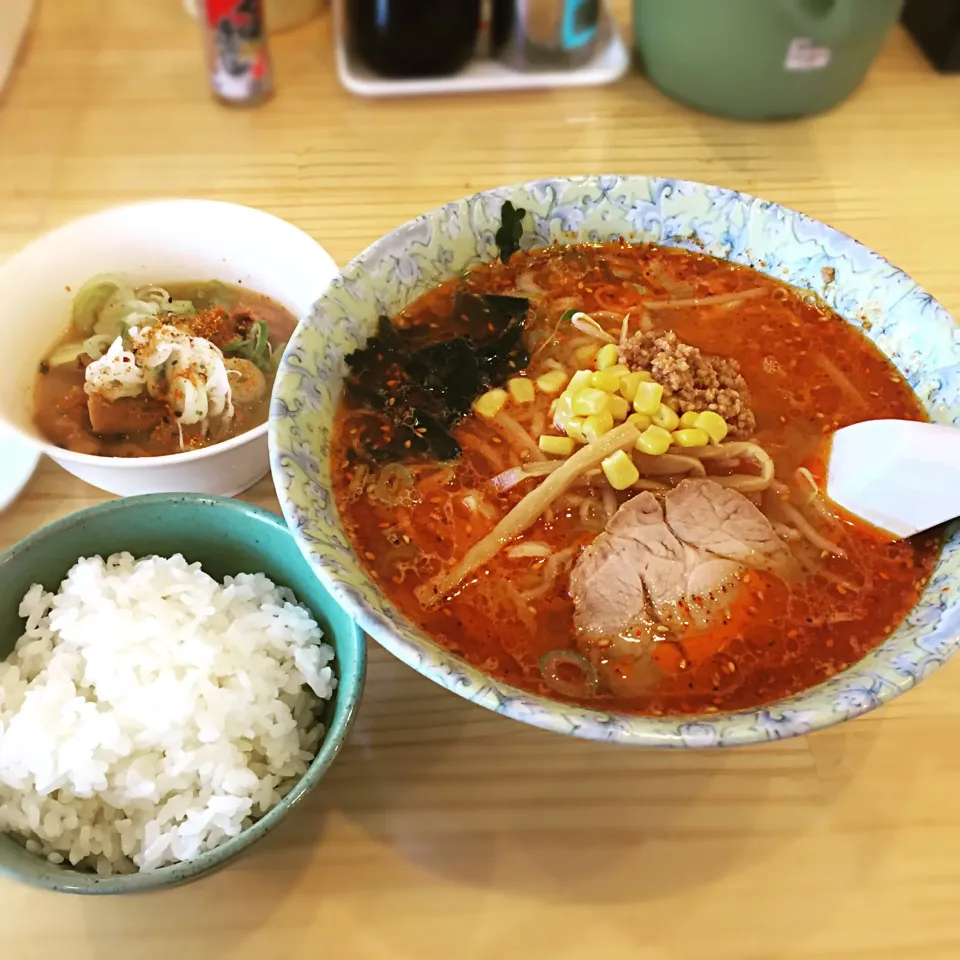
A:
(175, 409)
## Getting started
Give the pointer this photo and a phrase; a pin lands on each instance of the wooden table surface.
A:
(444, 831)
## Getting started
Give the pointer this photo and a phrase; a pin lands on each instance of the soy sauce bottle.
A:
(414, 38)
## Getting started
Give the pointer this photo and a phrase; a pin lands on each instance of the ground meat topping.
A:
(697, 381)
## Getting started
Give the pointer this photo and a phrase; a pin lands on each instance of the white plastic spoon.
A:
(899, 475)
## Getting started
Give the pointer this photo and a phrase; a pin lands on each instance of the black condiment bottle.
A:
(935, 25)
(414, 38)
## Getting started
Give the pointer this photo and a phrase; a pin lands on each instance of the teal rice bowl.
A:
(227, 537)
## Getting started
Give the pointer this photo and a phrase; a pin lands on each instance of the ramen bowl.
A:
(164, 241)
(904, 322)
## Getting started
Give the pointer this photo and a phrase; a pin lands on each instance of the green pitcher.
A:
(761, 59)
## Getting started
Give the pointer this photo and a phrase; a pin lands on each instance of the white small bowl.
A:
(155, 242)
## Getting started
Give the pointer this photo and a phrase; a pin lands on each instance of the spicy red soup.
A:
(723, 388)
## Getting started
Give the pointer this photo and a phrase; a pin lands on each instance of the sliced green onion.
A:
(93, 347)
(569, 673)
(124, 307)
(96, 346)
(181, 308)
(68, 353)
(164, 302)
(260, 340)
(92, 297)
(255, 347)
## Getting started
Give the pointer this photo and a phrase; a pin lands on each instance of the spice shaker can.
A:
(547, 33)
(281, 14)
(235, 41)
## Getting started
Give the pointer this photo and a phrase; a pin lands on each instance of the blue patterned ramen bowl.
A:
(906, 323)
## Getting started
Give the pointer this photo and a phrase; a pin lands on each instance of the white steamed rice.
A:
(149, 712)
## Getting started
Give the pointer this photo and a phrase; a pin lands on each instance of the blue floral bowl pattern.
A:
(905, 322)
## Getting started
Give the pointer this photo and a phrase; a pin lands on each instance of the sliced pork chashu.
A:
(724, 522)
(638, 570)
(657, 574)
(607, 585)
(671, 583)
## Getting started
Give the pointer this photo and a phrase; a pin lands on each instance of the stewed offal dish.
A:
(594, 472)
(160, 369)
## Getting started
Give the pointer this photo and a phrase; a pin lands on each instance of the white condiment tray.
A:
(609, 63)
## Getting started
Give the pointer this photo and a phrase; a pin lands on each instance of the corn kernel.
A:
(607, 356)
(666, 418)
(689, 419)
(713, 425)
(490, 404)
(640, 420)
(579, 380)
(618, 370)
(553, 381)
(605, 381)
(618, 407)
(654, 441)
(620, 470)
(563, 411)
(596, 426)
(691, 437)
(590, 401)
(558, 446)
(586, 355)
(647, 398)
(521, 389)
(630, 382)
(574, 429)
